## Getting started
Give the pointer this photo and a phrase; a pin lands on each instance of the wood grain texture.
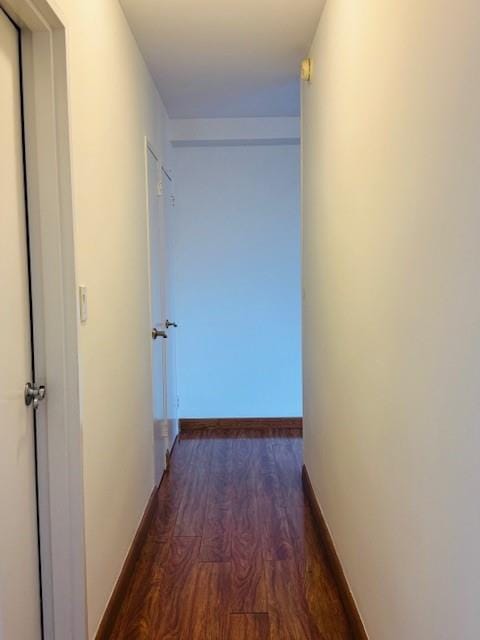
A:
(136, 618)
(174, 582)
(195, 424)
(249, 626)
(323, 534)
(232, 550)
(171, 491)
(217, 531)
(288, 611)
(290, 490)
(277, 541)
(248, 576)
(191, 513)
(210, 615)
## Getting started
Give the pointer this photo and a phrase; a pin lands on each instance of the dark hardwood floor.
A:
(232, 553)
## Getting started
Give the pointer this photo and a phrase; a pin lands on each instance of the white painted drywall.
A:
(113, 104)
(237, 286)
(207, 130)
(391, 157)
(225, 59)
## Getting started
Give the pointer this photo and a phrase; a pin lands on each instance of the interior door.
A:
(19, 566)
(157, 306)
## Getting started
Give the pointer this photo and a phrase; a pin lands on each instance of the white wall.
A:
(391, 131)
(237, 286)
(113, 106)
(227, 130)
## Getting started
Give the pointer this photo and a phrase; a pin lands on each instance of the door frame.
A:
(55, 313)
(169, 203)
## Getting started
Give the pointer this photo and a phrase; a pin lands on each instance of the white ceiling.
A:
(225, 58)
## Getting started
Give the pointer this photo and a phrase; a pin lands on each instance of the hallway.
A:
(231, 552)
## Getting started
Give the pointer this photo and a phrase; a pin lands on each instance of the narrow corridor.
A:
(232, 552)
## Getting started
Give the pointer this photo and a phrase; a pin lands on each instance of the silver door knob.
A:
(34, 394)
(156, 333)
(170, 324)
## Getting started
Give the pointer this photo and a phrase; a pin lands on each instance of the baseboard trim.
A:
(109, 618)
(348, 601)
(194, 424)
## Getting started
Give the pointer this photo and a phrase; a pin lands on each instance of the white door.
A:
(19, 569)
(157, 306)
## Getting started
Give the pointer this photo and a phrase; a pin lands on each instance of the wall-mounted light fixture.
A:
(306, 70)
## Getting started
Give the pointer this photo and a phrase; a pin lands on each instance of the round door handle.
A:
(156, 333)
(34, 394)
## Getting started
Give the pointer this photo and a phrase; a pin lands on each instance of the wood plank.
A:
(288, 610)
(248, 576)
(171, 489)
(249, 626)
(277, 543)
(135, 619)
(191, 512)
(289, 473)
(217, 534)
(173, 582)
(209, 618)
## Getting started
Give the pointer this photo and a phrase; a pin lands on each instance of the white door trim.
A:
(149, 148)
(52, 231)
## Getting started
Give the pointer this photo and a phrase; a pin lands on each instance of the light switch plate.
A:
(82, 295)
